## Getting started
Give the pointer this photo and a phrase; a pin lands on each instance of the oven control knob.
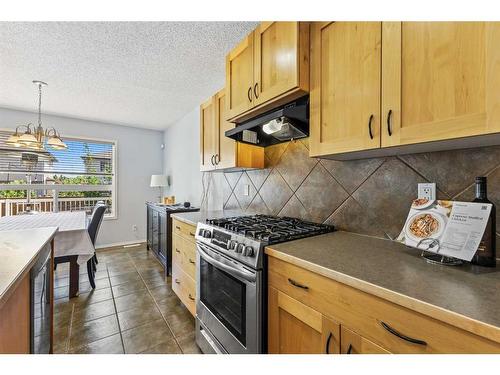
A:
(239, 248)
(200, 232)
(248, 251)
(207, 234)
(231, 245)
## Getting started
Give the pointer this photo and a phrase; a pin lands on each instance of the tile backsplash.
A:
(369, 196)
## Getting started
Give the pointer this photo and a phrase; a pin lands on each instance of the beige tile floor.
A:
(132, 310)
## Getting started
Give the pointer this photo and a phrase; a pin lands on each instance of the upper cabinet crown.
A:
(377, 85)
(268, 68)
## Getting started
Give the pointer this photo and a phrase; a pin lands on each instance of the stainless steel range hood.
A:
(282, 124)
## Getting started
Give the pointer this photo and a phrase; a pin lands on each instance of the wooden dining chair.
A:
(93, 229)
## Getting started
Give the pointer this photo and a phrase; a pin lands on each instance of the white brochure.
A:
(448, 228)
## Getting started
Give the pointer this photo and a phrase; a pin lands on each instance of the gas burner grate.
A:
(271, 229)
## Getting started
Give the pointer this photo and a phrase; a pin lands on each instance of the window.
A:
(54, 180)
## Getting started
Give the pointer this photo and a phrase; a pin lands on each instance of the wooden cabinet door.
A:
(345, 87)
(208, 135)
(225, 149)
(352, 343)
(295, 328)
(441, 80)
(239, 78)
(276, 59)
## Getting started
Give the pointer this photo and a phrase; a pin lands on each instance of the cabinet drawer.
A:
(185, 288)
(186, 230)
(352, 343)
(395, 328)
(184, 255)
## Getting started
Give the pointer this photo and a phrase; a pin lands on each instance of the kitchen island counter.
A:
(464, 296)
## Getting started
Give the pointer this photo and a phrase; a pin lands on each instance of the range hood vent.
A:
(282, 124)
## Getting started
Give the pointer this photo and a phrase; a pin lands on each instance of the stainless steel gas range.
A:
(231, 284)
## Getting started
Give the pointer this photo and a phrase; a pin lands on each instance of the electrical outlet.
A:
(246, 190)
(427, 190)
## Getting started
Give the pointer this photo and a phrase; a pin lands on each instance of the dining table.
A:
(72, 240)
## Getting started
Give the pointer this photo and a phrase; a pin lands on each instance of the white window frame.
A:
(57, 188)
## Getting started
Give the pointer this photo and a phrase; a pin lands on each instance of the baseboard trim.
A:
(117, 244)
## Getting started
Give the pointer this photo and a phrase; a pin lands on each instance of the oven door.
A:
(228, 301)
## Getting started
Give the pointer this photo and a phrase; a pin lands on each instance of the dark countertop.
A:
(194, 218)
(465, 296)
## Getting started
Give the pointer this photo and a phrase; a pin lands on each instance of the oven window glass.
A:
(225, 297)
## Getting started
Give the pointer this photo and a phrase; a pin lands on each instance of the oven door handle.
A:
(239, 273)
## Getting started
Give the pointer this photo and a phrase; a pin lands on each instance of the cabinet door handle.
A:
(255, 90)
(249, 94)
(327, 348)
(370, 127)
(391, 330)
(191, 261)
(216, 159)
(389, 127)
(177, 227)
(349, 349)
(177, 281)
(191, 297)
(212, 160)
(298, 285)
(191, 234)
(177, 250)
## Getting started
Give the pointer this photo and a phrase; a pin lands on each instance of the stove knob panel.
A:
(248, 251)
(207, 234)
(239, 247)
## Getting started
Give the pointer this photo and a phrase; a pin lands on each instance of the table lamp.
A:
(159, 181)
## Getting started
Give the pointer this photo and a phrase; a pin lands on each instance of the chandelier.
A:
(34, 137)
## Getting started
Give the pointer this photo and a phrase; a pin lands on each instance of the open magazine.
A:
(449, 228)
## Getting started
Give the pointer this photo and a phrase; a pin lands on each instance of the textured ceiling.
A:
(144, 74)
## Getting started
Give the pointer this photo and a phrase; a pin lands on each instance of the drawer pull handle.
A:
(177, 227)
(349, 349)
(388, 328)
(298, 285)
(191, 297)
(327, 348)
(191, 261)
(177, 250)
(177, 281)
(191, 234)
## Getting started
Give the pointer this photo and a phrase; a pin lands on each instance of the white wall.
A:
(139, 155)
(182, 158)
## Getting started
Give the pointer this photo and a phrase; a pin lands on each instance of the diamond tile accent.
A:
(295, 208)
(232, 203)
(258, 176)
(272, 154)
(454, 170)
(387, 195)
(321, 194)
(232, 178)
(275, 192)
(258, 206)
(352, 217)
(351, 174)
(239, 190)
(295, 164)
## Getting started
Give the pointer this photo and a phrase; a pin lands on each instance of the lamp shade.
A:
(159, 180)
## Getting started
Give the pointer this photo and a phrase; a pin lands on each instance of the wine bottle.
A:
(486, 252)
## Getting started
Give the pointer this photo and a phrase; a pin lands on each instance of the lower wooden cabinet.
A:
(295, 328)
(184, 263)
(353, 343)
(305, 306)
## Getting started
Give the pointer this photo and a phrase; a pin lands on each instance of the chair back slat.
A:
(95, 221)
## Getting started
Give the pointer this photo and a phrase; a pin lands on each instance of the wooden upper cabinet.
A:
(239, 78)
(353, 343)
(225, 146)
(218, 152)
(208, 135)
(345, 87)
(441, 80)
(295, 328)
(268, 68)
